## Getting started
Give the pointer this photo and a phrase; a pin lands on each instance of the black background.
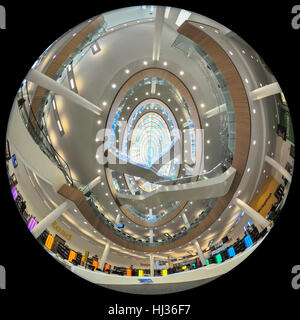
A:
(261, 284)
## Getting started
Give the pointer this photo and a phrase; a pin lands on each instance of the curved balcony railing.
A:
(37, 132)
(126, 236)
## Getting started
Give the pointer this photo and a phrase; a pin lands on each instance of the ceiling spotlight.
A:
(202, 105)
(181, 73)
(135, 99)
(169, 99)
(194, 87)
(145, 63)
(99, 171)
(113, 85)
(104, 103)
(207, 157)
(147, 93)
(99, 121)
(165, 63)
(127, 71)
(208, 141)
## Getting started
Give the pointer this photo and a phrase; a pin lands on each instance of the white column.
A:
(92, 184)
(200, 253)
(104, 255)
(51, 217)
(254, 215)
(185, 220)
(150, 213)
(151, 265)
(52, 85)
(279, 168)
(159, 20)
(118, 218)
(265, 91)
(151, 235)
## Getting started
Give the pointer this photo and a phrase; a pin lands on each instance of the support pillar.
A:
(254, 215)
(279, 168)
(151, 265)
(51, 217)
(185, 220)
(104, 255)
(52, 85)
(200, 253)
(151, 235)
(118, 218)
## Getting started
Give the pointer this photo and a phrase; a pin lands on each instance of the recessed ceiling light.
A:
(181, 73)
(207, 157)
(254, 142)
(104, 103)
(158, 93)
(230, 52)
(99, 171)
(128, 108)
(165, 63)
(194, 87)
(269, 142)
(135, 99)
(75, 210)
(202, 105)
(147, 93)
(85, 222)
(208, 141)
(113, 85)
(206, 124)
(254, 111)
(169, 100)
(145, 63)
(219, 219)
(246, 80)
(127, 71)
(248, 170)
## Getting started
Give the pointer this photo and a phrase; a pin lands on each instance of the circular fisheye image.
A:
(150, 150)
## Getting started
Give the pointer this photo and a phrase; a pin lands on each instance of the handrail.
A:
(36, 132)
(180, 233)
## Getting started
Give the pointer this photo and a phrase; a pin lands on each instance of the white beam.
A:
(52, 85)
(279, 168)
(51, 217)
(265, 91)
(92, 184)
(254, 215)
(159, 20)
(215, 111)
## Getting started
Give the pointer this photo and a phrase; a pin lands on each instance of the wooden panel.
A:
(59, 60)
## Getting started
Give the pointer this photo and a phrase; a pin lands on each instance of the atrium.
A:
(150, 150)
